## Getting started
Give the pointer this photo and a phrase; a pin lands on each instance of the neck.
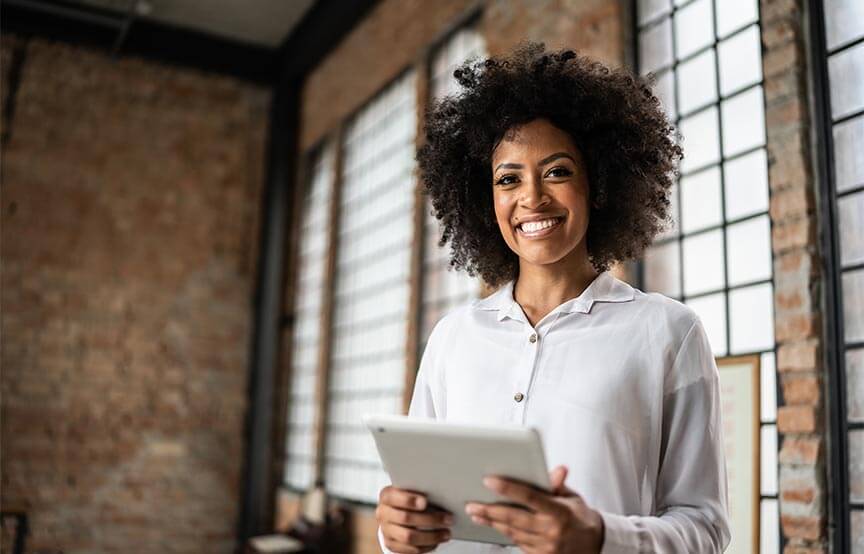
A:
(539, 288)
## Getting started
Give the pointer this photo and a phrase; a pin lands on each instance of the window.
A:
(367, 369)
(312, 255)
(707, 59)
(839, 58)
(444, 289)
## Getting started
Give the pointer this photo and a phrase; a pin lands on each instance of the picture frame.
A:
(740, 399)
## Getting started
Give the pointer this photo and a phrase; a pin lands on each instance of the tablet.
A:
(447, 461)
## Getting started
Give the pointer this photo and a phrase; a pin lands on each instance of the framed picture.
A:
(740, 398)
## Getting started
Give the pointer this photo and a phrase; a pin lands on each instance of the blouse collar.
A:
(604, 288)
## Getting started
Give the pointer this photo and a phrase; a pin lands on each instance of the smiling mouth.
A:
(547, 227)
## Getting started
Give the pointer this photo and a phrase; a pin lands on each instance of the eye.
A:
(503, 180)
(563, 172)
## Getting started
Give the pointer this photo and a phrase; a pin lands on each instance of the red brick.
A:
(791, 203)
(799, 549)
(797, 419)
(129, 259)
(797, 326)
(798, 356)
(801, 389)
(801, 450)
(808, 528)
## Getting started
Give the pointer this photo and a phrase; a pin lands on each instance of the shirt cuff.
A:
(384, 549)
(620, 534)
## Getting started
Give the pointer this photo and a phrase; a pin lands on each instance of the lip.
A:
(542, 232)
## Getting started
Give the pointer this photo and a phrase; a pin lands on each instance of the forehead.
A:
(531, 138)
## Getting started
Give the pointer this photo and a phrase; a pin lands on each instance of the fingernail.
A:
(420, 502)
(489, 482)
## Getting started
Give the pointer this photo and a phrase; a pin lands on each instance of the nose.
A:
(533, 193)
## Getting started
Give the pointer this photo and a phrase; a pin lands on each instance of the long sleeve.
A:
(691, 493)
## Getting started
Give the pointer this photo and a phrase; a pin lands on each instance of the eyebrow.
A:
(544, 161)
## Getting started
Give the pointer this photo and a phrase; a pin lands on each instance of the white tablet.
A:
(447, 462)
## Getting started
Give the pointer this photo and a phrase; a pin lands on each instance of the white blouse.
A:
(624, 390)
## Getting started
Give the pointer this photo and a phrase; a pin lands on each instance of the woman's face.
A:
(540, 191)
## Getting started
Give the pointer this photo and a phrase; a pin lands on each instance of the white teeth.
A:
(533, 226)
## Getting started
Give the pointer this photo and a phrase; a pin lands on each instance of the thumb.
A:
(557, 476)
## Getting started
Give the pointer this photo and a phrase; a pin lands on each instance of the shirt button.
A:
(532, 338)
(518, 397)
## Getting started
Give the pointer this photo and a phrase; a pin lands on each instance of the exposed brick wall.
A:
(798, 279)
(131, 194)
(397, 33)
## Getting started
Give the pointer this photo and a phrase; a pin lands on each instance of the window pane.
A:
(694, 28)
(848, 145)
(703, 262)
(697, 85)
(850, 220)
(700, 140)
(749, 251)
(372, 291)
(700, 200)
(751, 313)
(768, 453)
(740, 61)
(857, 524)
(650, 9)
(734, 14)
(711, 310)
(746, 185)
(844, 22)
(299, 460)
(855, 384)
(664, 89)
(846, 73)
(655, 47)
(853, 299)
(743, 122)
(768, 387)
(465, 43)
(663, 269)
(856, 465)
(769, 527)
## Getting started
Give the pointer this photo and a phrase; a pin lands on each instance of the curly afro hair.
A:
(629, 146)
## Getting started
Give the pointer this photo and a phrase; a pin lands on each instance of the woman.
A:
(544, 171)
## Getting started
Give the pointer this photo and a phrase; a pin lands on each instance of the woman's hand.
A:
(408, 524)
(554, 523)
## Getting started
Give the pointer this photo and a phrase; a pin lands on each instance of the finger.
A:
(400, 548)
(403, 498)
(557, 477)
(414, 537)
(509, 515)
(520, 537)
(407, 518)
(523, 494)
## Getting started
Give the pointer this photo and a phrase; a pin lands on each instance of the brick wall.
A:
(797, 274)
(397, 34)
(130, 204)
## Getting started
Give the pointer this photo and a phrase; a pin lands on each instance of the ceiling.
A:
(259, 22)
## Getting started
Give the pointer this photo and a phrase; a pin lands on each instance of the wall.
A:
(798, 278)
(131, 194)
(397, 33)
